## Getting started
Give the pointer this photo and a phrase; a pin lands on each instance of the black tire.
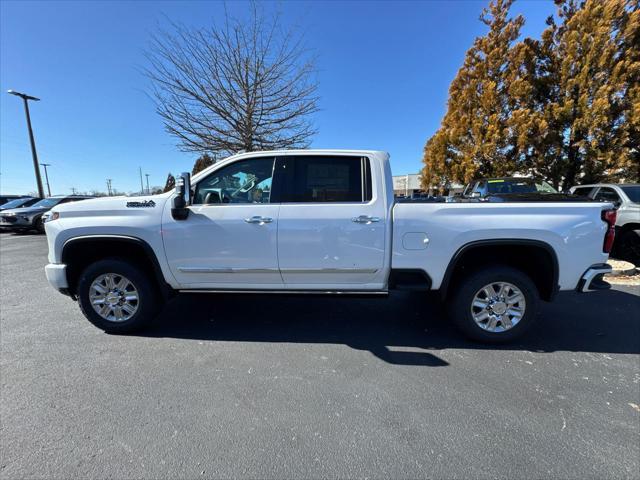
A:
(628, 246)
(148, 299)
(460, 299)
(39, 224)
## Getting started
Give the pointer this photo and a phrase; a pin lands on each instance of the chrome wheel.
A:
(498, 307)
(114, 297)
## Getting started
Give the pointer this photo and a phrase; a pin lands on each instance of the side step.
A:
(408, 279)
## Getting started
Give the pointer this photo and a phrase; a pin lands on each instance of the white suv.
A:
(626, 198)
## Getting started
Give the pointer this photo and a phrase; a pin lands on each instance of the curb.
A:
(626, 272)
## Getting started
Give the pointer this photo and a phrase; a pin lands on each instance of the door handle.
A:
(365, 219)
(258, 219)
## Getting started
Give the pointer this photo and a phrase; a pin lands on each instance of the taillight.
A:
(609, 216)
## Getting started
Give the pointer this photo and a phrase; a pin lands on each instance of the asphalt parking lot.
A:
(320, 387)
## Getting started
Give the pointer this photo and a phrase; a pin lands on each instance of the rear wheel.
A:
(116, 296)
(494, 305)
(628, 246)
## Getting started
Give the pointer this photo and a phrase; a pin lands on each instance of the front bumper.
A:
(57, 276)
(16, 224)
(592, 278)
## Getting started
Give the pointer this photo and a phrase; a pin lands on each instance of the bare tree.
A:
(238, 86)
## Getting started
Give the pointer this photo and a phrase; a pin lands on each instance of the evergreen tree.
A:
(565, 107)
(170, 184)
(473, 138)
(203, 161)
(587, 78)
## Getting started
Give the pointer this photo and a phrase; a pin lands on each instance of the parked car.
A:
(510, 189)
(626, 198)
(7, 198)
(323, 221)
(30, 218)
(19, 203)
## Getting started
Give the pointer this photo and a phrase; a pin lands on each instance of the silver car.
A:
(30, 218)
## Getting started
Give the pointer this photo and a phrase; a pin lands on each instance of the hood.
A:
(110, 206)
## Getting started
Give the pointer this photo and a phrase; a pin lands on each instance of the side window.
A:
(582, 191)
(606, 194)
(325, 179)
(246, 181)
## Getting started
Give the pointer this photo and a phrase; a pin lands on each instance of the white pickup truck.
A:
(323, 221)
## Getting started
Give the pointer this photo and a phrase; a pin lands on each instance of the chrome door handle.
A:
(258, 219)
(365, 219)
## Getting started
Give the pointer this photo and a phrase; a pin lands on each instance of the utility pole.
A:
(73, 190)
(109, 186)
(26, 99)
(141, 184)
(148, 189)
(46, 176)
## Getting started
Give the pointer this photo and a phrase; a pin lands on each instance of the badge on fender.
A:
(145, 204)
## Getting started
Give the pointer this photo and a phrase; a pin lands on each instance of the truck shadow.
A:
(403, 329)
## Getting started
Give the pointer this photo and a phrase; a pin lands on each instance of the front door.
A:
(229, 239)
(331, 228)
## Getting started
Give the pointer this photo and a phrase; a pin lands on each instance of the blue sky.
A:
(384, 72)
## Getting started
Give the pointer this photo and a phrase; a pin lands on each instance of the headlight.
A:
(52, 216)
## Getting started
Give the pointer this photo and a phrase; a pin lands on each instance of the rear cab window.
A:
(582, 191)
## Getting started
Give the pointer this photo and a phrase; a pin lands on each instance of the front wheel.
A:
(494, 304)
(39, 225)
(117, 296)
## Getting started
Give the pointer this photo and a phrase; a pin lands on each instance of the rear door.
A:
(332, 223)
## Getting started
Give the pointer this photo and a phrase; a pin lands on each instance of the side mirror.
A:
(182, 200)
(475, 194)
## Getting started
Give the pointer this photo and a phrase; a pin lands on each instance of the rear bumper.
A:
(592, 278)
(57, 275)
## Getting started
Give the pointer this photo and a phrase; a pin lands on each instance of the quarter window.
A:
(606, 194)
(246, 181)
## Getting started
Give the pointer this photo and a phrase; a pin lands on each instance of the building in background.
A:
(409, 185)
(406, 185)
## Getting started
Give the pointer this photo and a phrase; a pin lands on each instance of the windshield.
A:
(14, 203)
(47, 203)
(518, 185)
(633, 192)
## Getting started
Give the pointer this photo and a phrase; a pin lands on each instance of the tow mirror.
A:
(182, 200)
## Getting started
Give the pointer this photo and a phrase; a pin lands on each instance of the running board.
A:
(295, 292)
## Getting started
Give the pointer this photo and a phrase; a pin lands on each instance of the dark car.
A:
(7, 198)
(512, 189)
(19, 203)
(485, 187)
(30, 218)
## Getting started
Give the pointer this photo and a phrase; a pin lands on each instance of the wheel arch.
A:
(542, 264)
(629, 226)
(79, 252)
